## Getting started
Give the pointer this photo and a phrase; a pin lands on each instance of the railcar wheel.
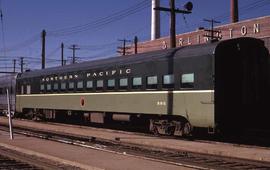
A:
(29, 114)
(170, 131)
(187, 128)
(155, 131)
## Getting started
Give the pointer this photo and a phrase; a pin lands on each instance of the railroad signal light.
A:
(188, 6)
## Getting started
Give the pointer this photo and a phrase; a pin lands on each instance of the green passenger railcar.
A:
(220, 85)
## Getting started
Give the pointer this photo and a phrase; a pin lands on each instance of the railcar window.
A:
(71, 85)
(49, 87)
(136, 82)
(28, 89)
(111, 83)
(99, 84)
(55, 86)
(152, 82)
(168, 81)
(42, 87)
(89, 84)
(63, 86)
(79, 84)
(123, 83)
(187, 80)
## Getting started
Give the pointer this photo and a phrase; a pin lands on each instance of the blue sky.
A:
(80, 22)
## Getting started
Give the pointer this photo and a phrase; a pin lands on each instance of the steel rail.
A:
(11, 159)
(178, 158)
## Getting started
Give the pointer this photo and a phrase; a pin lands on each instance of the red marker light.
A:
(82, 102)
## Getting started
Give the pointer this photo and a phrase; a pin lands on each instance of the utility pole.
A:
(155, 20)
(212, 31)
(43, 35)
(74, 48)
(172, 27)
(123, 50)
(62, 54)
(9, 116)
(22, 63)
(135, 45)
(14, 65)
(234, 11)
(188, 6)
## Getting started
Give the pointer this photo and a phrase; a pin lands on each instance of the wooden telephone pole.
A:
(43, 35)
(135, 45)
(123, 50)
(74, 48)
(22, 63)
(14, 65)
(62, 54)
(212, 31)
(188, 6)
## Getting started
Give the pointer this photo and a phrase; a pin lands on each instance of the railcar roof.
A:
(186, 51)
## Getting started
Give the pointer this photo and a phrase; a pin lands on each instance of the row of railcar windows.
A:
(187, 81)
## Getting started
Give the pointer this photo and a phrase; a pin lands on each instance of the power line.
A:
(98, 46)
(53, 52)
(102, 21)
(244, 9)
(3, 31)
(100, 55)
(23, 44)
(107, 18)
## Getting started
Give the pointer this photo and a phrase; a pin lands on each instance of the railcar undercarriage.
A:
(158, 125)
(170, 127)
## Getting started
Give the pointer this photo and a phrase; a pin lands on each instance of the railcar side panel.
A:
(196, 106)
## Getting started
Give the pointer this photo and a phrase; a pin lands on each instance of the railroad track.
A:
(10, 163)
(256, 139)
(202, 138)
(180, 158)
(14, 160)
(249, 141)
